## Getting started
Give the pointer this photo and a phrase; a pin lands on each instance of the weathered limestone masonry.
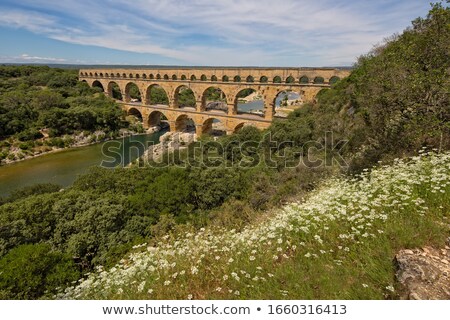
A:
(268, 81)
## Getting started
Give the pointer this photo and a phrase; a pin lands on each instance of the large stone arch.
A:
(128, 87)
(158, 118)
(287, 90)
(220, 101)
(185, 123)
(135, 112)
(213, 126)
(114, 89)
(98, 84)
(149, 100)
(183, 104)
(237, 97)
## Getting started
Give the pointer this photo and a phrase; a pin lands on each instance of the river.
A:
(64, 166)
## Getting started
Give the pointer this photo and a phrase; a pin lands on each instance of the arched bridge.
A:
(199, 97)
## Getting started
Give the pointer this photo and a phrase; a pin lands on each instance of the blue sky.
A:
(199, 32)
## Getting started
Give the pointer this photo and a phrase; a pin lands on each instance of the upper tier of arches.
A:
(277, 79)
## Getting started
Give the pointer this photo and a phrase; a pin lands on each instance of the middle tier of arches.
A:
(200, 98)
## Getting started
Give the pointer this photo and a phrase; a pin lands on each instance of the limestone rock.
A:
(169, 142)
(424, 273)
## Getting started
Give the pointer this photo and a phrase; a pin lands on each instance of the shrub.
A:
(25, 146)
(233, 214)
(32, 270)
(30, 134)
(35, 189)
(56, 142)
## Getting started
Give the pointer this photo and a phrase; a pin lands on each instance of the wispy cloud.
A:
(26, 58)
(226, 32)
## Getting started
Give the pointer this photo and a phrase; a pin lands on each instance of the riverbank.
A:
(46, 145)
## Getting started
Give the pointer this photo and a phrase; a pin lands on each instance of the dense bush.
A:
(30, 271)
(39, 188)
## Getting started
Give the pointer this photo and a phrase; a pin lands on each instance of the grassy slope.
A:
(338, 244)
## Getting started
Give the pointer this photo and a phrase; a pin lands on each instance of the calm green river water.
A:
(64, 166)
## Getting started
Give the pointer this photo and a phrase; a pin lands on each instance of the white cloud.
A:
(26, 58)
(226, 32)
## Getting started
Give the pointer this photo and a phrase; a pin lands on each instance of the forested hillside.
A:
(38, 102)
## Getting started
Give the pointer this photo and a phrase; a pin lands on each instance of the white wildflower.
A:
(141, 286)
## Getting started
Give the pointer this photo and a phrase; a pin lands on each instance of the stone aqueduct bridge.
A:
(269, 82)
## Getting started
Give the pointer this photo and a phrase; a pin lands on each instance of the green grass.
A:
(338, 244)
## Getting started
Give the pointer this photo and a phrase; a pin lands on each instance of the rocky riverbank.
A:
(168, 142)
(15, 151)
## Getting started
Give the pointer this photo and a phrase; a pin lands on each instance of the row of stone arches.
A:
(212, 99)
(184, 123)
(248, 79)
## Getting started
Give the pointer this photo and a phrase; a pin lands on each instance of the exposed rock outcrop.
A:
(424, 274)
(169, 142)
